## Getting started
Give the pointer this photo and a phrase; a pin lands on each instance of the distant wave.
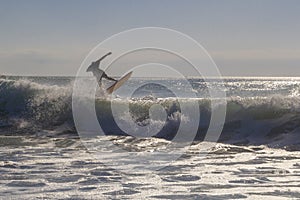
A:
(28, 107)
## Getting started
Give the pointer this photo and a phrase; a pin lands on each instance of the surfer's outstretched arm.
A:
(96, 63)
(109, 53)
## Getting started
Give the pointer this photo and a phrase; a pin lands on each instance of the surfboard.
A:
(119, 83)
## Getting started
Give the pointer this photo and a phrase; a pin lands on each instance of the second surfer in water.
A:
(98, 73)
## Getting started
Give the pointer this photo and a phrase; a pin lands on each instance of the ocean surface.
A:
(257, 154)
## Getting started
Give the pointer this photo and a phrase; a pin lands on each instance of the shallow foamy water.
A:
(58, 168)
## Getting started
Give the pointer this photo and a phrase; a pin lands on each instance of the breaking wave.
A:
(30, 107)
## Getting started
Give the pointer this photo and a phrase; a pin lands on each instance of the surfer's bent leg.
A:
(99, 83)
(109, 78)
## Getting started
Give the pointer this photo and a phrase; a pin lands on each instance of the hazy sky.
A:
(254, 37)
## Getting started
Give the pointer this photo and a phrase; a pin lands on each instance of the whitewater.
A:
(257, 154)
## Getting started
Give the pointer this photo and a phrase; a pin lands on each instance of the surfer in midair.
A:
(98, 73)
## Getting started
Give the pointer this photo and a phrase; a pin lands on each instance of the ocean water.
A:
(256, 156)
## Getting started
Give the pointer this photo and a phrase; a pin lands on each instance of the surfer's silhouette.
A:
(98, 73)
